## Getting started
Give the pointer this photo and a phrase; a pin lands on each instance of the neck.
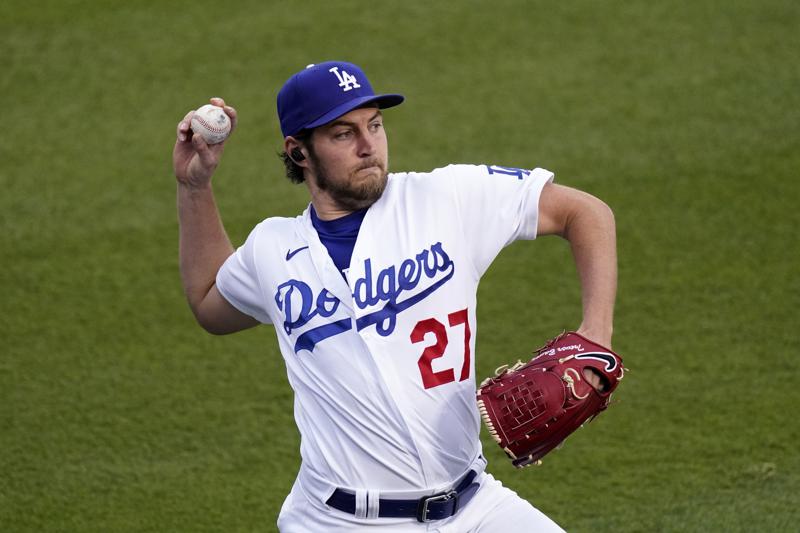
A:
(329, 212)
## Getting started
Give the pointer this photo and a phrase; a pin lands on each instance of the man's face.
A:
(349, 158)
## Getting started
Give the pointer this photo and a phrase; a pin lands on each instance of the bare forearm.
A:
(592, 237)
(204, 245)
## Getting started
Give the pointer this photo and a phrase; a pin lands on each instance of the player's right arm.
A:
(204, 245)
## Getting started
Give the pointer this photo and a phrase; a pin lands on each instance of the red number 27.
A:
(434, 351)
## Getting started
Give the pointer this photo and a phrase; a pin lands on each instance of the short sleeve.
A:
(497, 205)
(238, 281)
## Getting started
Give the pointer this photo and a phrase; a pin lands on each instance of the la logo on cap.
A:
(346, 81)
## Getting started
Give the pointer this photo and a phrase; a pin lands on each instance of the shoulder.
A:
(278, 223)
(277, 229)
(438, 178)
(457, 171)
(452, 170)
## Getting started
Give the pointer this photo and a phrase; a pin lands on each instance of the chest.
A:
(403, 268)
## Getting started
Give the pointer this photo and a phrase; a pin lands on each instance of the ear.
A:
(296, 151)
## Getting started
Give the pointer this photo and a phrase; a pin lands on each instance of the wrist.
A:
(601, 334)
(192, 188)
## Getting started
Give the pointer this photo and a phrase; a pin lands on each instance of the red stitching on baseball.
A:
(205, 124)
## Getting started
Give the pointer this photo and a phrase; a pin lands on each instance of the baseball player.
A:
(372, 294)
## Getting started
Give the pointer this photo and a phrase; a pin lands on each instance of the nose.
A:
(366, 145)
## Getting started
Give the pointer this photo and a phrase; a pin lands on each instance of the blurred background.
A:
(119, 414)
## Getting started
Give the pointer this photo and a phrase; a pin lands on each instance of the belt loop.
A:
(373, 503)
(361, 503)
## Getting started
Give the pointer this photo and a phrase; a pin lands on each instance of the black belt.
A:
(434, 507)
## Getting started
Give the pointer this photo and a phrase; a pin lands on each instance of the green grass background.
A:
(118, 414)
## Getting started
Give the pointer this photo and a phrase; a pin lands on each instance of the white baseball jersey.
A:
(382, 362)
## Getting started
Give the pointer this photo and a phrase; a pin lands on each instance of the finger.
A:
(594, 379)
(217, 101)
(231, 112)
(184, 127)
(199, 144)
(209, 154)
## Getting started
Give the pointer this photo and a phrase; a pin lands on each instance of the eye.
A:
(375, 126)
(342, 135)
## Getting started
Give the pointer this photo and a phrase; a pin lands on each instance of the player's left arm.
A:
(588, 224)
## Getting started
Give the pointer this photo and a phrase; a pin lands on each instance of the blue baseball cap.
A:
(324, 92)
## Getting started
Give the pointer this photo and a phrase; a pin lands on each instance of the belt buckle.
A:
(422, 510)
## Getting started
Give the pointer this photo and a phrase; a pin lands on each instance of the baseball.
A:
(211, 123)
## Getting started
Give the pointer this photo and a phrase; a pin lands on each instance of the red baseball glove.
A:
(532, 407)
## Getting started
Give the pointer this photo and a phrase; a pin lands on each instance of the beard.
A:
(352, 194)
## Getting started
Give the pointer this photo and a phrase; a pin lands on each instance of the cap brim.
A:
(384, 101)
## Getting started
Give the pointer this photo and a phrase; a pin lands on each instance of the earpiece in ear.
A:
(297, 154)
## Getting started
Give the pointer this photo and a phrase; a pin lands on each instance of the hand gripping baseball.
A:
(532, 407)
(194, 160)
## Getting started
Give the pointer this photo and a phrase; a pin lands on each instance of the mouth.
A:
(370, 165)
(369, 169)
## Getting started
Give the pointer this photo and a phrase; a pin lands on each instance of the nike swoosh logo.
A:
(290, 253)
